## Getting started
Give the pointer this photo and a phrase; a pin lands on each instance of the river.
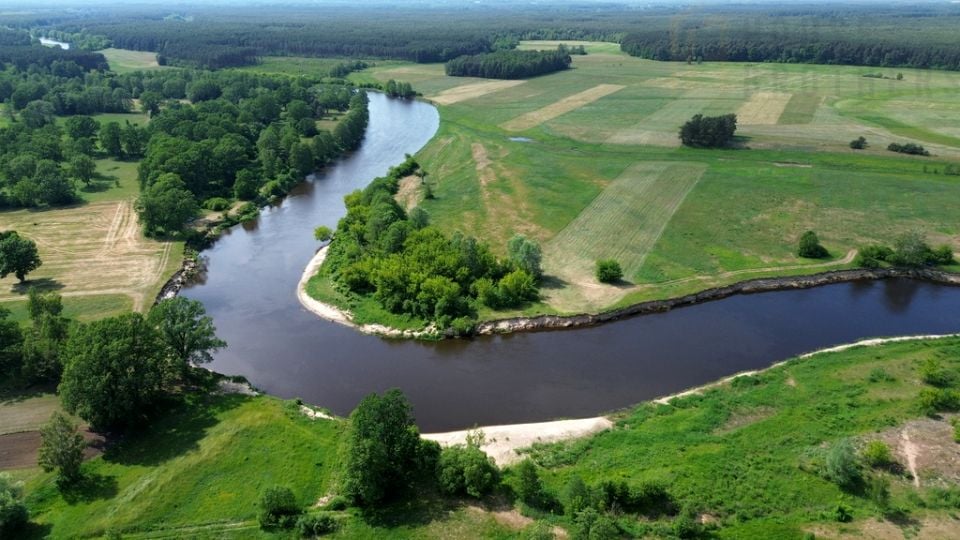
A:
(47, 42)
(250, 291)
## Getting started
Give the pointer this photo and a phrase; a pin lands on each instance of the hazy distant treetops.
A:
(510, 64)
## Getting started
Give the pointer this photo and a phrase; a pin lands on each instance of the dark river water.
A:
(250, 291)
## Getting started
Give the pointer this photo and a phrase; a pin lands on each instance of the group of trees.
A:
(399, 89)
(412, 268)
(244, 136)
(709, 131)
(908, 148)
(910, 250)
(509, 64)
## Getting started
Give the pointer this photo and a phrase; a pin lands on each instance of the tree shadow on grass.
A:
(32, 530)
(552, 282)
(172, 433)
(40, 284)
(101, 184)
(417, 509)
(90, 488)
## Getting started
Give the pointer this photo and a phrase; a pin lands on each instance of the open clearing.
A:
(124, 60)
(92, 250)
(471, 91)
(565, 105)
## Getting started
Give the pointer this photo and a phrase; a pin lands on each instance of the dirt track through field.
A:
(570, 103)
(92, 250)
(472, 91)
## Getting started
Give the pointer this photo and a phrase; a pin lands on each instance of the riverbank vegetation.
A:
(823, 439)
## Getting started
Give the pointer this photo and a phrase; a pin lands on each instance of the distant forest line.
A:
(920, 36)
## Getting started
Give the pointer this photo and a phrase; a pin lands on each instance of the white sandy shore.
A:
(502, 442)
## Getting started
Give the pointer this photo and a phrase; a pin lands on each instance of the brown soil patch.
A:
(926, 448)
(90, 250)
(874, 529)
(472, 91)
(409, 193)
(19, 450)
(565, 105)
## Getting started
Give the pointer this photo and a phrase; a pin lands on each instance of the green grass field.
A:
(741, 453)
(125, 61)
(794, 170)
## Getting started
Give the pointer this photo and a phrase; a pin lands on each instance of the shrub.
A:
(516, 288)
(842, 512)
(878, 491)
(588, 524)
(217, 204)
(934, 400)
(877, 454)
(908, 148)
(466, 470)
(538, 530)
(278, 508)
(810, 247)
(933, 373)
(942, 255)
(322, 233)
(462, 326)
(337, 503)
(956, 430)
(880, 375)
(871, 256)
(608, 271)
(859, 143)
(311, 525)
(841, 466)
(13, 512)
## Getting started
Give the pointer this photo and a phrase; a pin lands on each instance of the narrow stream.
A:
(250, 291)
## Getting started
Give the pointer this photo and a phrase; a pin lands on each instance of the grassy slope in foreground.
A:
(744, 210)
(733, 453)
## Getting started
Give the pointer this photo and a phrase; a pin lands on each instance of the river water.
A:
(250, 291)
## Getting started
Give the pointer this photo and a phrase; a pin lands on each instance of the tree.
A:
(525, 254)
(81, 127)
(43, 341)
(608, 271)
(52, 185)
(13, 512)
(115, 372)
(38, 114)
(187, 331)
(133, 140)
(529, 486)
(18, 255)
(384, 449)
(11, 343)
(83, 168)
(859, 143)
(301, 159)
(709, 131)
(110, 139)
(150, 102)
(322, 233)
(61, 449)
(810, 247)
(166, 205)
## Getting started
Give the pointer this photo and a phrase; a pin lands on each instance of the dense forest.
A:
(213, 136)
(510, 64)
(210, 36)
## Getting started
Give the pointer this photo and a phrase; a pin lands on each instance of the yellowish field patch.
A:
(565, 105)
(623, 223)
(123, 60)
(662, 127)
(91, 250)
(763, 108)
(471, 91)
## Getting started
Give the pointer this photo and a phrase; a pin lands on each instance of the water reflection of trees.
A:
(898, 294)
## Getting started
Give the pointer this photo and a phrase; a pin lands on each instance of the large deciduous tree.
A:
(187, 332)
(18, 255)
(166, 205)
(115, 372)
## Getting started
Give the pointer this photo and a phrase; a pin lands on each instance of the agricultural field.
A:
(125, 61)
(94, 253)
(555, 156)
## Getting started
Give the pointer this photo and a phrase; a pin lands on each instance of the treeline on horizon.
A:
(217, 37)
(509, 64)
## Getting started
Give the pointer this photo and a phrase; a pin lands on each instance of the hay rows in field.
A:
(565, 105)
(471, 91)
(763, 108)
(93, 249)
(624, 222)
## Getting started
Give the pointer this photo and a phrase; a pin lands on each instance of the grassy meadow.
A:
(125, 61)
(743, 456)
(588, 162)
